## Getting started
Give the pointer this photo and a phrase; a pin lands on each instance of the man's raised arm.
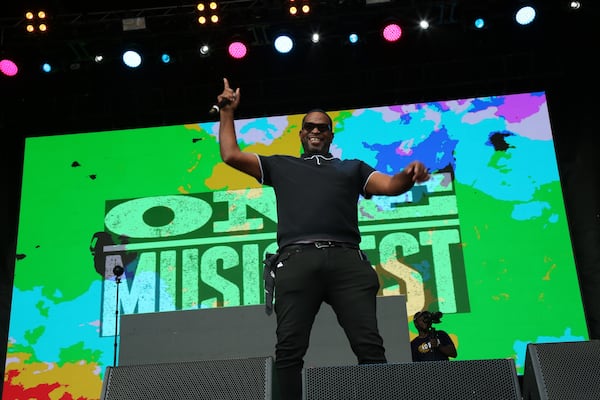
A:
(230, 150)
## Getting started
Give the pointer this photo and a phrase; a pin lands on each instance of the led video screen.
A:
(485, 240)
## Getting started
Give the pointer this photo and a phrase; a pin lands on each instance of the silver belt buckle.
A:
(323, 245)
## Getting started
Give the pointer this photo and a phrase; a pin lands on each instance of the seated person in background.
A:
(431, 344)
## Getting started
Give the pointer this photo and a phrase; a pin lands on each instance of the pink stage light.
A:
(8, 67)
(237, 50)
(392, 32)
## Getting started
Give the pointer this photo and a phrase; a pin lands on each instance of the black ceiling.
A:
(450, 60)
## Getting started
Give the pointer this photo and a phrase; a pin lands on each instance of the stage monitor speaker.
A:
(562, 371)
(232, 379)
(494, 379)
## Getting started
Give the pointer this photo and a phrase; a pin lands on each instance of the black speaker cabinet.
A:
(233, 379)
(432, 380)
(562, 371)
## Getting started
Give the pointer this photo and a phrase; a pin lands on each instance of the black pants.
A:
(306, 276)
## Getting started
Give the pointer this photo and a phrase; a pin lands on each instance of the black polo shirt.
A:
(316, 196)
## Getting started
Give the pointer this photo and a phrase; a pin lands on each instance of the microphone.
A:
(217, 107)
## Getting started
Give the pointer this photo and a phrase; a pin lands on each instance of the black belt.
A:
(321, 244)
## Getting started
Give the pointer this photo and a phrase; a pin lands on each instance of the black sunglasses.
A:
(309, 127)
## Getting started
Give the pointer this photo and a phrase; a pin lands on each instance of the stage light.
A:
(283, 44)
(424, 24)
(47, 67)
(525, 15)
(353, 38)
(132, 59)
(8, 67)
(208, 12)
(315, 38)
(479, 23)
(204, 50)
(575, 5)
(298, 7)
(237, 50)
(391, 32)
(36, 21)
(98, 58)
(165, 58)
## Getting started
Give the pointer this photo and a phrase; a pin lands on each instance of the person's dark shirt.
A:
(317, 196)
(422, 352)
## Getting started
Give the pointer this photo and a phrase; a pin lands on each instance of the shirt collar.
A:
(318, 157)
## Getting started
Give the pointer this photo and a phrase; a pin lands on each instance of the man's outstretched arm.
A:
(392, 185)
